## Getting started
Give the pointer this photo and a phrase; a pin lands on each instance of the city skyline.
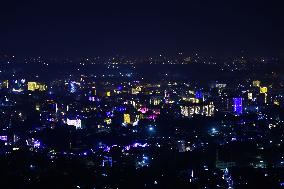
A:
(141, 95)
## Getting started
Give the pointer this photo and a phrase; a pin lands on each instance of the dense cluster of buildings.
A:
(124, 131)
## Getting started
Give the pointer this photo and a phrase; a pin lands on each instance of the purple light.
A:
(135, 145)
(144, 145)
(92, 99)
(238, 105)
(153, 117)
(127, 147)
(107, 149)
(36, 144)
(4, 138)
(157, 111)
(109, 114)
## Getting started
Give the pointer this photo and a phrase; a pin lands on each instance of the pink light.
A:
(153, 116)
(157, 111)
(143, 110)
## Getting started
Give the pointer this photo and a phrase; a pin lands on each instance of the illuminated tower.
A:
(72, 87)
(126, 118)
(263, 91)
(238, 105)
(166, 96)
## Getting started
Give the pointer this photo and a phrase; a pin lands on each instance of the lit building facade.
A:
(238, 105)
(190, 110)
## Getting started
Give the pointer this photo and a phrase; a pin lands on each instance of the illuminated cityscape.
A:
(113, 126)
(101, 95)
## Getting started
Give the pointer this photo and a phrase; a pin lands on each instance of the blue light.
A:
(37, 144)
(72, 87)
(198, 94)
(238, 105)
(119, 88)
(121, 109)
(109, 114)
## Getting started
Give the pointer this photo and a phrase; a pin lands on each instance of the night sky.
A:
(141, 28)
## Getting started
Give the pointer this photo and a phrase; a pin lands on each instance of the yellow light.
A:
(263, 89)
(256, 83)
(41, 87)
(126, 118)
(32, 86)
(250, 96)
(277, 103)
(136, 90)
(37, 107)
(108, 121)
(6, 84)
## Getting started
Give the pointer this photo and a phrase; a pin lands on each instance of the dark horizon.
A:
(68, 29)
